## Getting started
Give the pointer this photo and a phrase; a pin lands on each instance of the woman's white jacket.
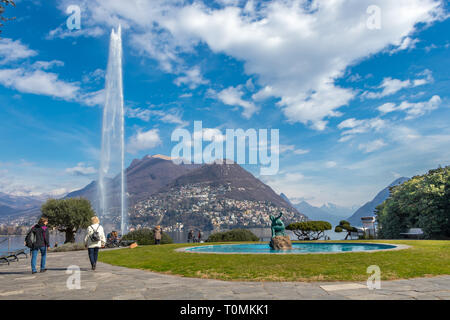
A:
(90, 230)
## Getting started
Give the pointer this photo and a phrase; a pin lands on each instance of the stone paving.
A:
(111, 282)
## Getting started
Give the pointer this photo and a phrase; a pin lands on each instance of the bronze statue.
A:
(277, 226)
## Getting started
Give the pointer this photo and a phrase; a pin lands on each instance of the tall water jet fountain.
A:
(112, 184)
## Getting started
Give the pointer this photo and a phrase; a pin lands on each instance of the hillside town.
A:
(212, 203)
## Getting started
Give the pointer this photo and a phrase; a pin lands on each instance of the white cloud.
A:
(170, 116)
(64, 32)
(38, 82)
(233, 96)
(81, 170)
(263, 94)
(11, 50)
(406, 44)
(291, 148)
(354, 126)
(330, 164)
(372, 146)
(138, 113)
(192, 78)
(298, 48)
(391, 86)
(94, 76)
(413, 110)
(47, 64)
(35, 79)
(96, 98)
(143, 140)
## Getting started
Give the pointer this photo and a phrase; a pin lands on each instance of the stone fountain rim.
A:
(397, 247)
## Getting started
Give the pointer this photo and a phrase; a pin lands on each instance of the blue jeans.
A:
(34, 254)
(93, 255)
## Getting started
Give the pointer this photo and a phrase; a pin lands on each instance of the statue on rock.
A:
(280, 240)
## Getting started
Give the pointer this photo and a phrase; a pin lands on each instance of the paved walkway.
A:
(111, 282)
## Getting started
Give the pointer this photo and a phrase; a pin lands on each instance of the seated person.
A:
(112, 237)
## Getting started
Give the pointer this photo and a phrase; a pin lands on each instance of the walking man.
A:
(41, 243)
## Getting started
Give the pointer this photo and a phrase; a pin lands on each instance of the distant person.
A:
(94, 240)
(41, 243)
(112, 238)
(157, 234)
(199, 237)
(190, 236)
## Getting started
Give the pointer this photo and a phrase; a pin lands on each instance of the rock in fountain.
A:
(112, 201)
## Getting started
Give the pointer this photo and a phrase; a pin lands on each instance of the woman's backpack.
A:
(95, 236)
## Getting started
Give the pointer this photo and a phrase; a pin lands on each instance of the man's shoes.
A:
(93, 267)
(33, 272)
(43, 270)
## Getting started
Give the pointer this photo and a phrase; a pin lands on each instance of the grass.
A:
(424, 258)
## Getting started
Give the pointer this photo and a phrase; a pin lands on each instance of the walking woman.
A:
(158, 234)
(94, 240)
(41, 243)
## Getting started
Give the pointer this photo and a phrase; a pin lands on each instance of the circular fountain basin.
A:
(297, 248)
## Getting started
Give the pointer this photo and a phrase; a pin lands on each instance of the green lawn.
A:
(424, 258)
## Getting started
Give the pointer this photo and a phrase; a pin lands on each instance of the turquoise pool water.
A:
(296, 248)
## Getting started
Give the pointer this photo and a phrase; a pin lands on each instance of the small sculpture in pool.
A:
(277, 226)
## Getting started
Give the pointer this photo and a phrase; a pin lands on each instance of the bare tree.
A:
(3, 4)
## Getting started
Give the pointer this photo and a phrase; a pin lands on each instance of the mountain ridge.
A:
(368, 209)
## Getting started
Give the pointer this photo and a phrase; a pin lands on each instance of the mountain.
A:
(315, 213)
(285, 198)
(336, 210)
(368, 209)
(14, 207)
(244, 186)
(143, 178)
(218, 196)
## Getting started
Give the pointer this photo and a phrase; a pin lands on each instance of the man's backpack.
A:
(95, 236)
(30, 238)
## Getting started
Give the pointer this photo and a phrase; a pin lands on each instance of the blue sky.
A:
(356, 106)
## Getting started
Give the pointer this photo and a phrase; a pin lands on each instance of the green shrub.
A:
(146, 236)
(421, 202)
(309, 230)
(70, 246)
(233, 235)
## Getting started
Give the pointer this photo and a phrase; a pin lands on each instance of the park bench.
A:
(4, 259)
(12, 256)
(414, 232)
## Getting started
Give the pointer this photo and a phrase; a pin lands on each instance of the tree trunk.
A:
(70, 236)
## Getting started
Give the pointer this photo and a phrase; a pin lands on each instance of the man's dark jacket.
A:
(42, 236)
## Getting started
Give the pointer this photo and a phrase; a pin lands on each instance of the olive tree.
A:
(68, 215)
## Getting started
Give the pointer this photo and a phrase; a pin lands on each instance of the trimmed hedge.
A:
(146, 236)
(233, 235)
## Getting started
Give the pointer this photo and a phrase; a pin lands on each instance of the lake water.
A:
(16, 242)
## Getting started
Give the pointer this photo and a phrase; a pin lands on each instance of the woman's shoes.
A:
(93, 267)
